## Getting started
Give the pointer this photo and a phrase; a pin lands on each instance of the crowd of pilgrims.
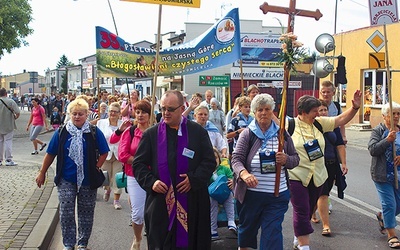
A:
(115, 113)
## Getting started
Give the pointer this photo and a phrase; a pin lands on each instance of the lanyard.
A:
(301, 131)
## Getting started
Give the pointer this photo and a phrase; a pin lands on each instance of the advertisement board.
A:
(259, 50)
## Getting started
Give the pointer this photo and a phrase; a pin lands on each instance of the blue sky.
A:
(68, 26)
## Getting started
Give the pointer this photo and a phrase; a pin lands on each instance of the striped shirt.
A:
(266, 182)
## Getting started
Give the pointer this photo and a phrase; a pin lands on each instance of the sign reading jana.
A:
(383, 12)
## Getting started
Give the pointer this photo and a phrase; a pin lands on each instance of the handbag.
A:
(100, 179)
(121, 180)
(219, 189)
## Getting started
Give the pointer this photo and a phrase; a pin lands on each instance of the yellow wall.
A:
(353, 45)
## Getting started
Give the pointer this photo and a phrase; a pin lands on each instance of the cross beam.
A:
(291, 11)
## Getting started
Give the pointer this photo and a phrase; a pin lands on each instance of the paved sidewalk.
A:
(29, 215)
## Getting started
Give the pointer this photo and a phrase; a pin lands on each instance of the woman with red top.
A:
(126, 152)
(38, 121)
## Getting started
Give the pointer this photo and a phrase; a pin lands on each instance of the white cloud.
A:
(68, 27)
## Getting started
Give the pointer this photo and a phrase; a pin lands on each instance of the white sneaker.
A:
(117, 205)
(295, 243)
(11, 163)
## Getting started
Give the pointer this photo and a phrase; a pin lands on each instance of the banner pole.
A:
(156, 63)
(389, 87)
(241, 76)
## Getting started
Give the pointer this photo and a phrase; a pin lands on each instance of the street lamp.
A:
(322, 67)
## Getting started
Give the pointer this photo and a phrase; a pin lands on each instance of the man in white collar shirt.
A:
(207, 98)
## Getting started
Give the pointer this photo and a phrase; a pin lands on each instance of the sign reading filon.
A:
(383, 12)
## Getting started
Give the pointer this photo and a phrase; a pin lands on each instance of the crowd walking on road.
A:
(167, 165)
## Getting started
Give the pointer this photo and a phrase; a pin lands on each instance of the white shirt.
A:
(108, 130)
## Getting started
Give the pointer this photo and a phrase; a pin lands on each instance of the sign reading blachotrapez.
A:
(218, 46)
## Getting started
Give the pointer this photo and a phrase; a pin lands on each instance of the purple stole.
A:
(176, 202)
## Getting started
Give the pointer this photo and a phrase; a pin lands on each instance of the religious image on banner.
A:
(218, 46)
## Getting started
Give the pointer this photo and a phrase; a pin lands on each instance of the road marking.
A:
(359, 209)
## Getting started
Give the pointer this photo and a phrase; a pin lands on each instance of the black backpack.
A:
(292, 124)
(337, 104)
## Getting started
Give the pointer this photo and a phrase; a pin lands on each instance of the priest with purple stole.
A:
(173, 164)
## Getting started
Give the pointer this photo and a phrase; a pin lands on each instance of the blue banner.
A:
(218, 46)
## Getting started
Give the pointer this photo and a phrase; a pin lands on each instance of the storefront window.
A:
(375, 91)
(342, 94)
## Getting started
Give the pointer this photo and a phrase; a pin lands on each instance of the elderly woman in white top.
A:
(112, 165)
(201, 117)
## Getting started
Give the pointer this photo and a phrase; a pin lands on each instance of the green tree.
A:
(63, 62)
(15, 16)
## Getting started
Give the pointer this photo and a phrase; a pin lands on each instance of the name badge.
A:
(267, 162)
(313, 150)
(188, 153)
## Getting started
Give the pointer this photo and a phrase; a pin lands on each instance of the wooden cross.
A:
(291, 11)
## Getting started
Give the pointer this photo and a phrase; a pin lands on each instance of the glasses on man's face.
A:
(396, 113)
(169, 109)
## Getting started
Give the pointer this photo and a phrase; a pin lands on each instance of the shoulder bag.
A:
(219, 189)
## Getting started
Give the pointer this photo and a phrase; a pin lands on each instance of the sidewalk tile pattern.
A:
(21, 203)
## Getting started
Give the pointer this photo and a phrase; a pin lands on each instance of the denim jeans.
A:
(266, 211)
(390, 202)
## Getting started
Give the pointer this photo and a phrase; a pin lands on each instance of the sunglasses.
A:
(163, 109)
